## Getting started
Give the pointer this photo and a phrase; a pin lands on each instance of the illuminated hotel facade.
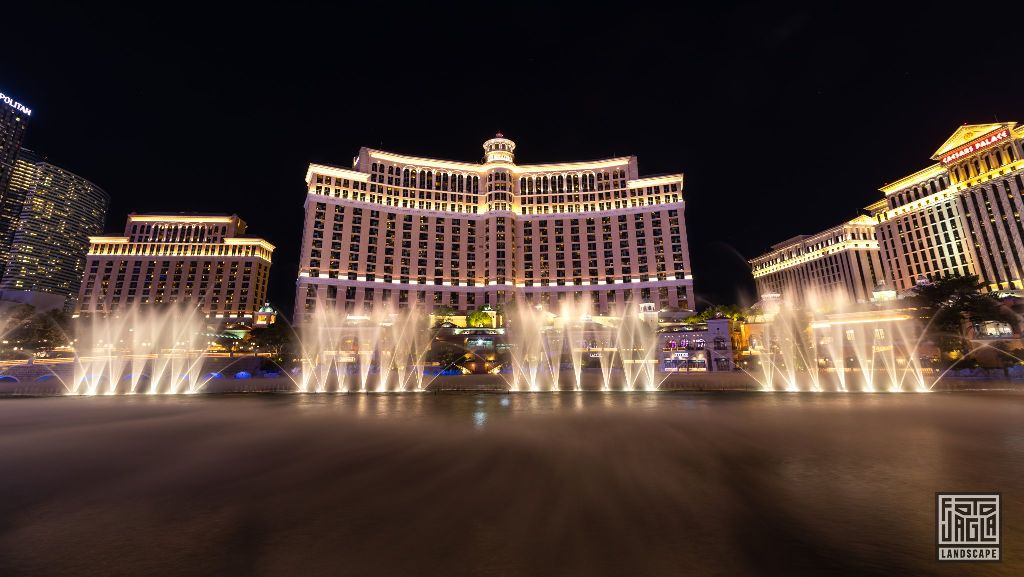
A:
(960, 215)
(398, 231)
(841, 262)
(205, 261)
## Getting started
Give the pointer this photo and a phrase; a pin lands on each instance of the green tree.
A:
(30, 330)
(443, 314)
(277, 339)
(506, 310)
(15, 318)
(52, 330)
(1006, 356)
(949, 303)
(478, 318)
(228, 341)
(734, 312)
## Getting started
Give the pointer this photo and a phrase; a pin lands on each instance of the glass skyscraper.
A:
(59, 212)
(13, 122)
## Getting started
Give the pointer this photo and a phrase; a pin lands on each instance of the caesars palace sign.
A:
(977, 145)
(15, 104)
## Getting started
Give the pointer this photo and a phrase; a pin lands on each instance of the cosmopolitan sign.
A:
(15, 104)
(977, 145)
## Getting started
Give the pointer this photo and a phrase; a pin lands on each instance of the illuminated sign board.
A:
(977, 145)
(15, 104)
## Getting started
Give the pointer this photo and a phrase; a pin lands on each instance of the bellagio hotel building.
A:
(398, 231)
(960, 215)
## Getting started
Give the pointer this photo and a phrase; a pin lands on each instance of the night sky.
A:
(785, 119)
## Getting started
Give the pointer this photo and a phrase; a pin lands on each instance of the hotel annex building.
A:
(960, 215)
(841, 260)
(398, 231)
(206, 261)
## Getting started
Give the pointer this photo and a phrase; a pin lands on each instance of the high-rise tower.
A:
(22, 179)
(13, 122)
(60, 211)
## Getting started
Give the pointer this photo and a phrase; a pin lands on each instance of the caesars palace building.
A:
(960, 215)
(398, 231)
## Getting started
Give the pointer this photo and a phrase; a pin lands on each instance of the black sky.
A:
(785, 118)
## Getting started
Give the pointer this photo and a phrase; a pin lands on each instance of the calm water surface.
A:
(501, 485)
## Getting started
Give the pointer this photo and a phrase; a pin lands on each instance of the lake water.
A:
(501, 485)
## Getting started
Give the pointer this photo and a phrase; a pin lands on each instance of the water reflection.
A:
(554, 484)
